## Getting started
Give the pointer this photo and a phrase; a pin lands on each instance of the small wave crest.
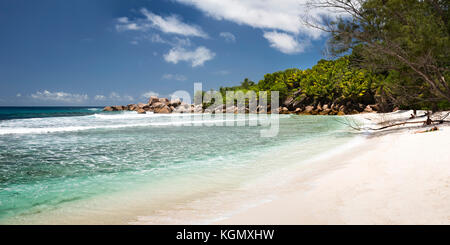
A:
(44, 130)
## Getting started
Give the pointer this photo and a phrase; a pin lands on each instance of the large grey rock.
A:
(118, 108)
(108, 108)
(146, 108)
(131, 107)
(164, 101)
(319, 107)
(183, 108)
(309, 109)
(158, 105)
(165, 109)
(325, 112)
(175, 103)
(153, 99)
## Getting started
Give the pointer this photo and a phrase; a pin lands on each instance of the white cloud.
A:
(197, 57)
(174, 77)
(117, 97)
(99, 97)
(156, 38)
(284, 42)
(19, 95)
(123, 20)
(169, 24)
(59, 97)
(148, 94)
(228, 36)
(282, 15)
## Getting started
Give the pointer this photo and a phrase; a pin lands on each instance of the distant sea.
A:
(82, 165)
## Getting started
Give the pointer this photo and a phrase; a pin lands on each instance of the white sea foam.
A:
(134, 115)
(58, 128)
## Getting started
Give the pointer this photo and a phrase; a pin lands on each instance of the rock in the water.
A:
(141, 111)
(175, 102)
(108, 108)
(131, 107)
(157, 105)
(309, 109)
(164, 101)
(340, 113)
(153, 99)
(325, 112)
(319, 108)
(118, 108)
(146, 108)
(333, 112)
(164, 109)
(298, 110)
(183, 108)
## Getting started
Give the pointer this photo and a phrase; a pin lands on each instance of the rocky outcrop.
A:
(175, 102)
(153, 99)
(164, 109)
(296, 104)
(108, 108)
(165, 101)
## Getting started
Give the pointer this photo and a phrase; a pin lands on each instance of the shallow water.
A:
(108, 167)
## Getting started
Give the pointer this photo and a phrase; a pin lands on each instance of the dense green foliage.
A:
(329, 81)
(408, 40)
(399, 57)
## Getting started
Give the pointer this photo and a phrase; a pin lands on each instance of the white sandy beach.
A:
(393, 177)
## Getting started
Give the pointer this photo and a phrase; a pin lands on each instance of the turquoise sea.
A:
(81, 165)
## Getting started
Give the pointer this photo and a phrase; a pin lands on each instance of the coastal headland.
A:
(289, 106)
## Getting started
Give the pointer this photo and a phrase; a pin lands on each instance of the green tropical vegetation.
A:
(389, 53)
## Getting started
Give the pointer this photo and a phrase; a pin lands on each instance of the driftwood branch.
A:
(350, 122)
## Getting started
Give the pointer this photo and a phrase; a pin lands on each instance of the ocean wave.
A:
(44, 130)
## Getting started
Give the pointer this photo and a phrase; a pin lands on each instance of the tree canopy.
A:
(391, 52)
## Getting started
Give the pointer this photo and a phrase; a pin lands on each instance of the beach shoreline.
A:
(395, 177)
(392, 176)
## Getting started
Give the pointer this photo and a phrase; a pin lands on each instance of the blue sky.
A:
(100, 52)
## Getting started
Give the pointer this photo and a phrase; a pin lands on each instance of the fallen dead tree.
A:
(354, 124)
